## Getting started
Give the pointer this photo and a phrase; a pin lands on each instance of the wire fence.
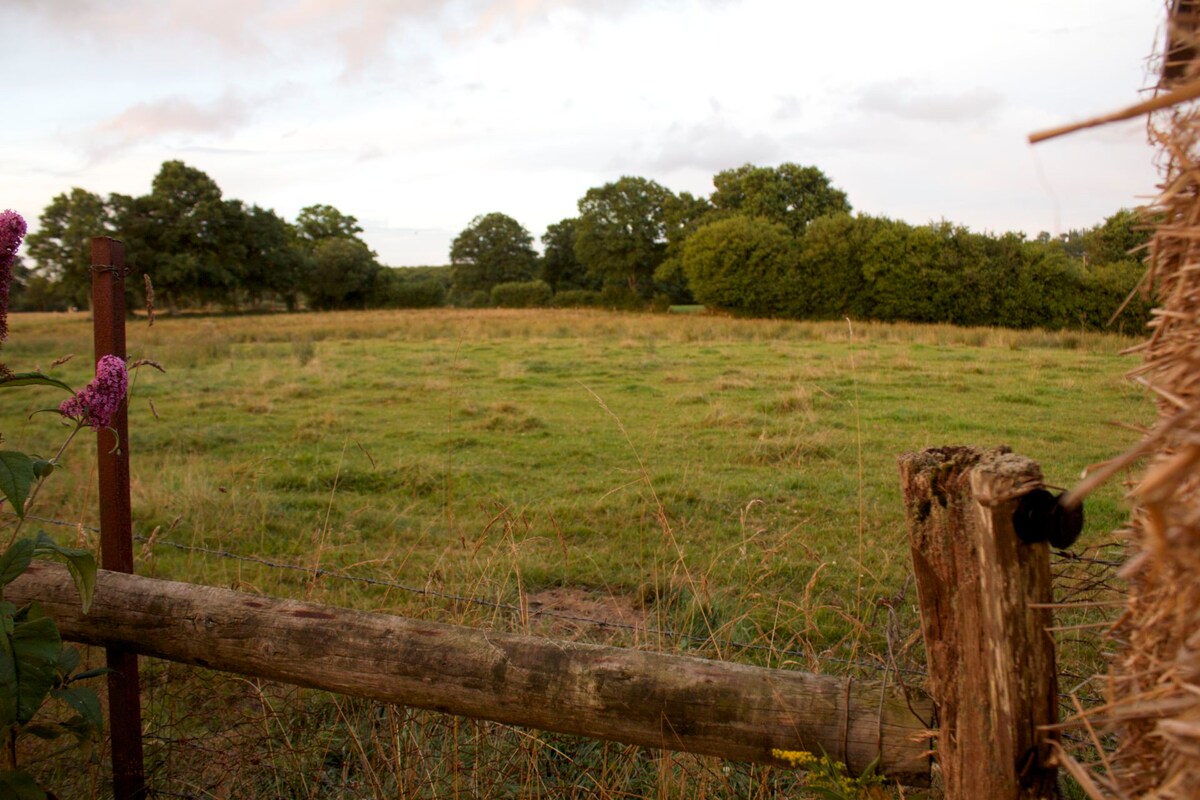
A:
(256, 735)
(1094, 575)
(424, 591)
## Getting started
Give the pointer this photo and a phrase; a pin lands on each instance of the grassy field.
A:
(731, 480)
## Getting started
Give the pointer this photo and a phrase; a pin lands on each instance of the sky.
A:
(416, 116)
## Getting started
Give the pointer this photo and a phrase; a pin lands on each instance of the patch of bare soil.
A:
(573, 613)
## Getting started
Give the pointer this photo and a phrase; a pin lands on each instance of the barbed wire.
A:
(882, 666)
(323, 572)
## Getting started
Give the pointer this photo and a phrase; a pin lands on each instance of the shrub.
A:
(522, 294)
(619, 297)
(740, 264)
(419, 294)
(576, 298)
(474, 299)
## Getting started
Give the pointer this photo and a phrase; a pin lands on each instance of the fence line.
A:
(882, 665)
(639, 697)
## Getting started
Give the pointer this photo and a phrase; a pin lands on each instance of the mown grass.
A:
(728, 479)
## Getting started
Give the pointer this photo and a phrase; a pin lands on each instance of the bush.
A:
(395, 293)
(619, 297)
(576, 298)
(522, 294)
(473, 299)
(741, 264)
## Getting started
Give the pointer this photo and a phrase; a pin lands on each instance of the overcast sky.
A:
(415, 116)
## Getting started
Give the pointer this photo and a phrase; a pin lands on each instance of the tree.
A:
(559, 266)
(741, 264)
(1116, 238)
(789, 194)
(830, 282)
(182, 237)
(344, 272)
(62, 244)
(273, 261)
(684, 214)
(317, 223)
(493, 249)
(622, 232)
(886, 276)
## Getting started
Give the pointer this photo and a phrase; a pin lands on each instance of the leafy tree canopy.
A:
(180, 234)
(343, 276)
(62, 244)
(271, 258)
(561, 268)
(1116, 238)
(493, 249)
(622, 232)
(317, 223)
(741, 263)
(789, 194)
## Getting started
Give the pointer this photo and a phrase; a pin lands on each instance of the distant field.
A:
(726, 477)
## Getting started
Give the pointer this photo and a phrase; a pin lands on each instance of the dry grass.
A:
(1153, 689)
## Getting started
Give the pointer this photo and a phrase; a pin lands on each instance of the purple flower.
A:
(97, 404)
(12, 231)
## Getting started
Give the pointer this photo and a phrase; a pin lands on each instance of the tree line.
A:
(768, 241)
(201, 249)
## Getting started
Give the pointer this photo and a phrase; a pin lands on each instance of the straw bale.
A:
(1153, 687)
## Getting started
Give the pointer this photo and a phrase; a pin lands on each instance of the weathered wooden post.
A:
(983, 596)
(116, 542)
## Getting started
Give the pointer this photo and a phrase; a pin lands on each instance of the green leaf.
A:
(91, 673)
(84, 702)
(42, 468)
(80, 563)
(14, 562)
(81, 729)
(18, 785)
(28, 666)
(35, 379)
(870, 772)
(68, 660)
(16, 478)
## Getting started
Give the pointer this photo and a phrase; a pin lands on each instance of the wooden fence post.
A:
(116, 542)
(983, 596)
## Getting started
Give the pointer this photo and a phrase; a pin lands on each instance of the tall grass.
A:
(721, 487)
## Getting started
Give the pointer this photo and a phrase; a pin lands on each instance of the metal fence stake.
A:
(116, 542)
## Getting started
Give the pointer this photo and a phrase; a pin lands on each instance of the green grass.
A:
(735, 479)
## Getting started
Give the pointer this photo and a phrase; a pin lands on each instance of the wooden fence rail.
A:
(656, 700)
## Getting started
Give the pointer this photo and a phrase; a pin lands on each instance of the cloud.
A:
(898, 99)
(713, 145)
(158, 118)
(361, 40)
(357, 34)
(230, 23)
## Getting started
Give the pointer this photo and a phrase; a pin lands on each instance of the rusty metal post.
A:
(116, 531)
